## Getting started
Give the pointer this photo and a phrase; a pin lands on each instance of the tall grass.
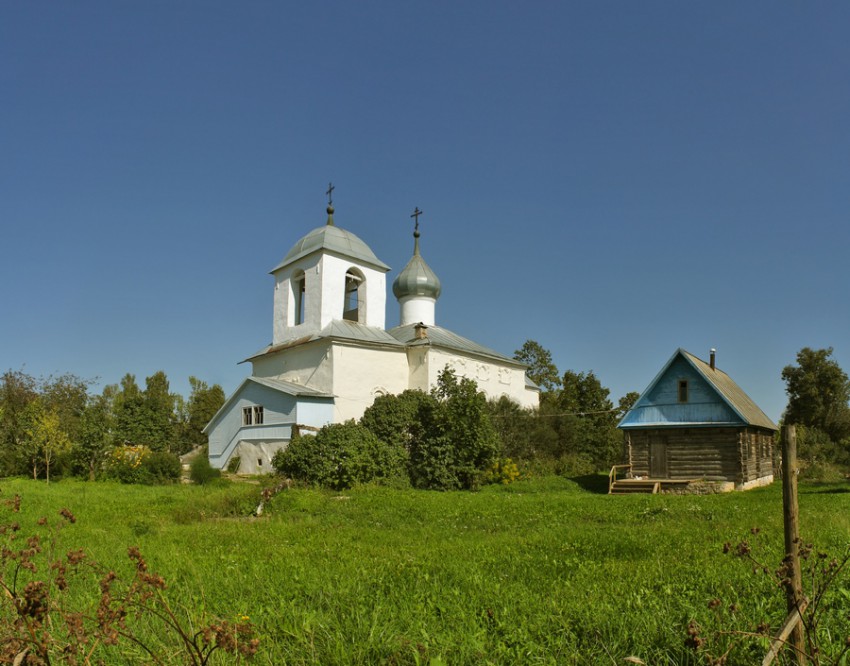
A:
(542, 571)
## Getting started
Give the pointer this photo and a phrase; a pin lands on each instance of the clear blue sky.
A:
(612, 179)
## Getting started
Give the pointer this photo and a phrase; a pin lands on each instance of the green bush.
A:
(458, 442)
(201, 472)
(138, 464)
(234, 464)
(161, 467)
(340, 456)
(503, 471)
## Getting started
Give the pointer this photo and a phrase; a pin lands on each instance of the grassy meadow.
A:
(548, 571)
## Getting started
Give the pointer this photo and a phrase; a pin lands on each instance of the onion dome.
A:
(417, 278)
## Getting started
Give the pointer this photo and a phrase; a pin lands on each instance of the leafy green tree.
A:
(145, 417)
(27, 449)
(527, 435)
(587, 424)
(95, 438)
(626, 403)
(458, 442)
(158, 410)
(818, 393)
(128, 411)
(204, 402)
(17, 391)
(47, 439)
(395, 419)
(67, 396)
(541, 370)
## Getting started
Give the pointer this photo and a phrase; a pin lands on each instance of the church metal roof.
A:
(335, 240)
(338, 329)
(438, 336)
(290, 388)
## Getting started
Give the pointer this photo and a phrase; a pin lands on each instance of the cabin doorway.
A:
(658, 457)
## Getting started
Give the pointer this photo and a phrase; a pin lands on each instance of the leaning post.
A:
(794, 590)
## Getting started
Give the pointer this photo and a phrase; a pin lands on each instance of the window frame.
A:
(683, 391)
(252, 415)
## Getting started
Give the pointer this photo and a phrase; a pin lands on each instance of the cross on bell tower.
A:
(330, 194)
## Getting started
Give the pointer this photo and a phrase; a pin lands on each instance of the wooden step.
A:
(630, 486)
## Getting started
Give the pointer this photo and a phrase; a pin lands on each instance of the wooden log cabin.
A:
(694, 423)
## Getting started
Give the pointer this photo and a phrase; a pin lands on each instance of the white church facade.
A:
(331, 355)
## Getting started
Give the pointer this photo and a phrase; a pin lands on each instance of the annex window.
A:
(352, 306)
(299, 295)
(683, 390)
(252, 415)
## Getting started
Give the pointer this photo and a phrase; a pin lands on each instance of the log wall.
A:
(714, 454)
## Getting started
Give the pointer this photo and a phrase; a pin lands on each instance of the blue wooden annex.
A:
(260, 418)
(693, 422)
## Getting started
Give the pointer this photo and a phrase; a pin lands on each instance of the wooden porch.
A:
(627, 485)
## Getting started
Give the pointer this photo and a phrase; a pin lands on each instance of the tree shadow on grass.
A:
(592, 483)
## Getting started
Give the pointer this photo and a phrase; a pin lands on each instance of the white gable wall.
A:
(308, 365)
(362, 373)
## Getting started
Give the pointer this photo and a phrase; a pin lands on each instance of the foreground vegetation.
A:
(541, 571)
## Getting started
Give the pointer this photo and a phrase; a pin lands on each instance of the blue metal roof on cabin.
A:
(714, 399)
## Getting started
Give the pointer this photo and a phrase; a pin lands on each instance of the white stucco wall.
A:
(417, 365)
(324, 295)
(283, 328)
(333, 296)
(362, 373)
(309, 365)
(495, 380)
(415, 309)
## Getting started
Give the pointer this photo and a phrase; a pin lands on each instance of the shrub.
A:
(503, 470)
(138, 464)
(124, 463)
(396, 419)
(574, 464)
(340, 456)
(200, 471)
(161, 467)
(457, 441)
(234, 464)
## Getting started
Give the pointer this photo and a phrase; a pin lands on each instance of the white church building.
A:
(331, 355)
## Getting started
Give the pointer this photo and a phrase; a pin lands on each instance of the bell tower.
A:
(330, 274)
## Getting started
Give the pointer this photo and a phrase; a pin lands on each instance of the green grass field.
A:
(547, 571)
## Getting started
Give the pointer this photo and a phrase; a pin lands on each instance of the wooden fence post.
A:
(792, 537)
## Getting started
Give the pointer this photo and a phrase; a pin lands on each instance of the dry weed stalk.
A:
(42, 623)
